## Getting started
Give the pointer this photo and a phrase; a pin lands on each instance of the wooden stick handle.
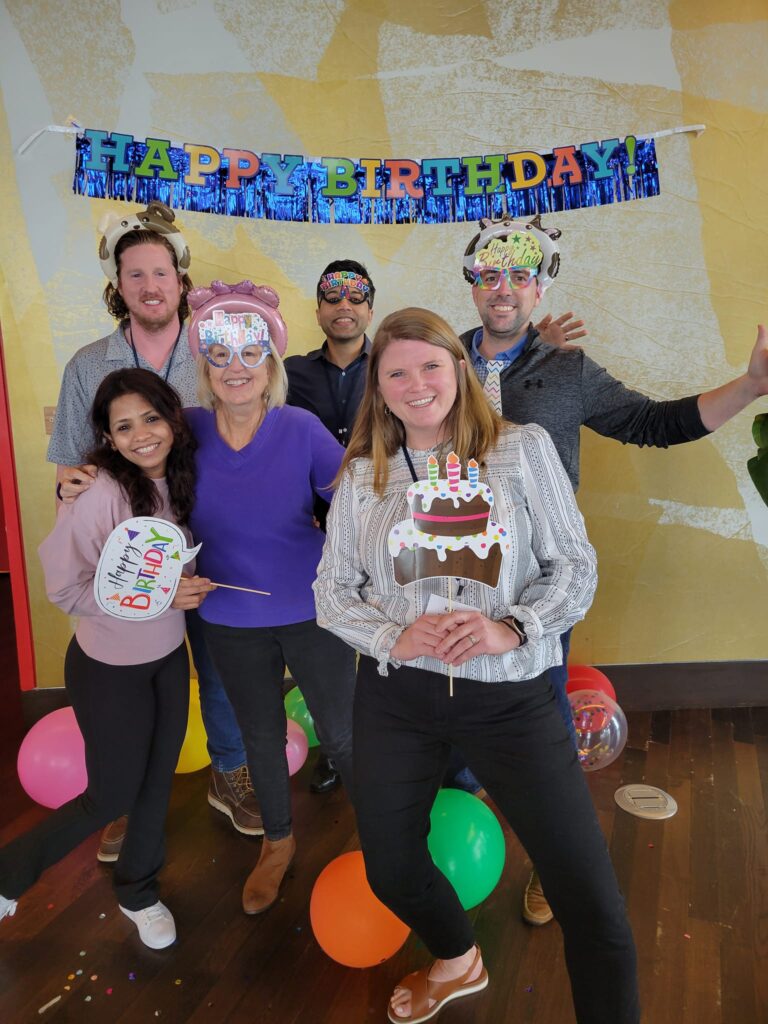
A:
(248, 590)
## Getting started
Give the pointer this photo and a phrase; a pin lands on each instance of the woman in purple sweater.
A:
(260, 464)
(128, 680)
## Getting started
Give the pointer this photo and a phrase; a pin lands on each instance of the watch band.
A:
(517, 627)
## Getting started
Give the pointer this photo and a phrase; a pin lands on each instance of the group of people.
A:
(204, 424)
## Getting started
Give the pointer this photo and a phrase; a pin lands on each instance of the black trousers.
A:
(515, 741)
(133, 719)
(251, 663)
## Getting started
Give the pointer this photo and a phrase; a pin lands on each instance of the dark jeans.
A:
(251, 663)
(133, 719)
(225, 744)
(515, 741)
(458, 776)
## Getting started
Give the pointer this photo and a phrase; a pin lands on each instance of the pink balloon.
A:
(51, 761)
(296, 747)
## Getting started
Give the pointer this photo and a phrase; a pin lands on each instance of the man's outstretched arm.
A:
(716, 407)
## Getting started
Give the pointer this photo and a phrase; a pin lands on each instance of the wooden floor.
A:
(696, 887)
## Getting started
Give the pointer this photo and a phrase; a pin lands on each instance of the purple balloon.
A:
(51, 761)
(296, 747)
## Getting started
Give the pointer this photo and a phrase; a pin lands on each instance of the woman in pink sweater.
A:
(128, 680)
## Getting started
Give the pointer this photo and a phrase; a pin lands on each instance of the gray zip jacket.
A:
(563, 390)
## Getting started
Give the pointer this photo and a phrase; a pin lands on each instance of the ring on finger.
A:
(472, 639)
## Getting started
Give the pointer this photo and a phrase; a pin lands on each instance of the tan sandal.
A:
(422, 990)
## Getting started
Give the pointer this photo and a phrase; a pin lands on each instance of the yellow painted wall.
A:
(672, 287)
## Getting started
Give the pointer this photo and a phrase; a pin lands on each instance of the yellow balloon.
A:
(194, 752)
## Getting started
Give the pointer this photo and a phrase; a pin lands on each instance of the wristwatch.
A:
(517, 627)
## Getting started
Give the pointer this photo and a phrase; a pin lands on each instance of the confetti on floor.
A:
(109, 991)
(50, 906)
(102, 916)
(49, 1004)
(70, 977)
(131, 976)
(82, 952)
(177, 982)
(94, 977)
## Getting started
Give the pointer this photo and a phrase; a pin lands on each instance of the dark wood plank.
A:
(696, 888)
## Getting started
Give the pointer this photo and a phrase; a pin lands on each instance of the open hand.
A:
(560, 331)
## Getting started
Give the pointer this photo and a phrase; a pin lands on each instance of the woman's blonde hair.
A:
(277, 382)
(471, 425)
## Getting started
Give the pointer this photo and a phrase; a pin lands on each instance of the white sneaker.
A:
(7, 907)
(156, 926)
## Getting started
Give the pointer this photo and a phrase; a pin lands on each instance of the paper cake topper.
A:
(450, 532)
(140, 568)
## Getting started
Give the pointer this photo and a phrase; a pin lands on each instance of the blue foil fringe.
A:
(256, 197)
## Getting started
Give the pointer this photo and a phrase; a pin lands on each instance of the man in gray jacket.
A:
(510, 265)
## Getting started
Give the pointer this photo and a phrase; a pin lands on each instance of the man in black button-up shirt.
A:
(330, 381)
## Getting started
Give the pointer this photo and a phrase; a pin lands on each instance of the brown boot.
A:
(263, 883)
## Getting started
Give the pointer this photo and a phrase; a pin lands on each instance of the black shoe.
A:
(325, 777)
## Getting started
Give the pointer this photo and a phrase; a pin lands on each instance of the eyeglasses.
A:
(221, 355)
(489, 278)
(337, 294)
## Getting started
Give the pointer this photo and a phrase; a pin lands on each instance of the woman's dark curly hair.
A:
(114, 300)
(180, 470)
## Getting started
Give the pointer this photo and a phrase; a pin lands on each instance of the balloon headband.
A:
(518, 250)
(236, 316)
(158, 218)
(345, 282)
(506, 244)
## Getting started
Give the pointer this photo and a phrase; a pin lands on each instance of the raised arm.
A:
(718, 406)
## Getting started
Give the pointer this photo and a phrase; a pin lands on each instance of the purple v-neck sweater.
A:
(253, 514)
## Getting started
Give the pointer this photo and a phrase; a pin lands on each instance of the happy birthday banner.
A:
(338, 190)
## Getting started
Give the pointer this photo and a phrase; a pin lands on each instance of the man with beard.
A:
(527, 380)
(145, 259)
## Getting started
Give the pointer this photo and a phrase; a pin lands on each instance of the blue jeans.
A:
(225, 744)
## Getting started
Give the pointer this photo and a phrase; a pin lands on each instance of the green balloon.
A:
(296, 708)
(467, 844)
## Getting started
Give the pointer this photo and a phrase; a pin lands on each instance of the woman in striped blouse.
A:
(469, 673)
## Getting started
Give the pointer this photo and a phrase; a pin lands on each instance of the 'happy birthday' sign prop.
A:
(339, 190)
(140, 568)
(450, 532)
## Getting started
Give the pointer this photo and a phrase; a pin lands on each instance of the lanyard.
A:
(410, 464)
(170, 361)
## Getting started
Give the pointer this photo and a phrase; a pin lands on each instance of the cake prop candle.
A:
(433, 470)
(453, 469)
(473, 472)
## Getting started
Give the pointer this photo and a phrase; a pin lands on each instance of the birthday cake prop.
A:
(140, 568)
(450, 532)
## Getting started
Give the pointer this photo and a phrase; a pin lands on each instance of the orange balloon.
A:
(350, 924)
